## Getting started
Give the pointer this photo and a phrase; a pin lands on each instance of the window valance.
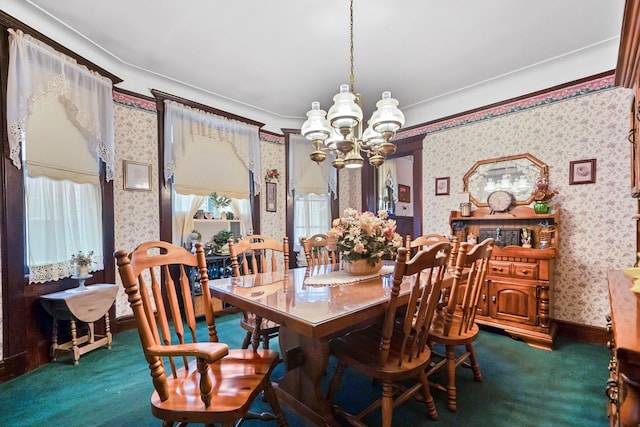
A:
(38, 75)
(216, 138)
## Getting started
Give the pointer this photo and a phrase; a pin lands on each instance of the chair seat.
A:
(455, 337)
(234, 388)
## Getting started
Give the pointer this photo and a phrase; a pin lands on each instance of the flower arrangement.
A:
(542, 192)
(364, 236)
(81, 259)
(272, 174)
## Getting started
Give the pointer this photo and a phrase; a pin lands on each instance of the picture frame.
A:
(582, 172)
(442, 186)
(272, 196)
(404, 193)
(137, 176)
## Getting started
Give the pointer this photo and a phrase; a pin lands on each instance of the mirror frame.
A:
(544, 170)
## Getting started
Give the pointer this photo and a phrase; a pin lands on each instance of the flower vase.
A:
(541, 207)
(82, 271)
(361, 267)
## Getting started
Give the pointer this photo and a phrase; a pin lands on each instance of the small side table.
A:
(86, 304)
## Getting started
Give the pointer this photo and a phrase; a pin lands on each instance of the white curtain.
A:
(186, 128)
(242, 210)
(305, 176)
(312, 215)
(63, 218)
(38, 73)
(184, 208)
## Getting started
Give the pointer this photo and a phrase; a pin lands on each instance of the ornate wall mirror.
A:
(515, 174)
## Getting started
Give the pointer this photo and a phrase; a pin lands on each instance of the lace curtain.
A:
(183, 124)
(63, 217)
(304, 175)
(38, 73)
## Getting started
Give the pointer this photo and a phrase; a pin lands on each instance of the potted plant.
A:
(542, 194)
(218, 202)
(82, 262)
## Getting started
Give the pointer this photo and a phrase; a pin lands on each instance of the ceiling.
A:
(268, 60)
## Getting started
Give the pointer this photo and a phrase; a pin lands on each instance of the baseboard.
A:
(125, 323)
(585, 333)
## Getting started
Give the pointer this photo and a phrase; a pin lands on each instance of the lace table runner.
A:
(337, 278)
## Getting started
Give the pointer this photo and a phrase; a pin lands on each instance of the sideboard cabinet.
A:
(518, 294)
(623, 387)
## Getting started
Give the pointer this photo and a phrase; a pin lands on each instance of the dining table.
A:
(312, 306)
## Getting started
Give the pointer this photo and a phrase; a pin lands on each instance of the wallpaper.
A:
(597, 232)
(136, 216)
(349, 189)
(274, 224)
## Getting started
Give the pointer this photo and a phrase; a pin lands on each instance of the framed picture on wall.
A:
(404, 193)
(137, 176)
(271, 196)
(582, 172)
(442, 186)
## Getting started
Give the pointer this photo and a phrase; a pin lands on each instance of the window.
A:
(312, 215)
(60, 118)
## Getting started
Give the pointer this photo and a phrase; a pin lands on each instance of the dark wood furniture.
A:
(308, 316)
(454, 323)
(207, 382)
(86, 304)
(518, 297)
(397, 350)
(251, 255)
(623, 387)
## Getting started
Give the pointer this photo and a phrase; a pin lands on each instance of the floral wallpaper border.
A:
(574, 91)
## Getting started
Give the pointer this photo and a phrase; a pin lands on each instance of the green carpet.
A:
(522, 386)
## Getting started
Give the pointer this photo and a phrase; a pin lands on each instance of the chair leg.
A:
(477, 375)
(335, 381)
(428, 399)
(451, 378)
(247, 340)
(272, 400)
(257, 333)
(387, 404)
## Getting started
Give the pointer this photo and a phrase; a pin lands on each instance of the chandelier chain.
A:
(352, 79)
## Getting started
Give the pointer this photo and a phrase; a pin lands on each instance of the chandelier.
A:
(339, 132)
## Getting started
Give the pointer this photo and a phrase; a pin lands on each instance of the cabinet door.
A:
(481, 307)
(513, 302)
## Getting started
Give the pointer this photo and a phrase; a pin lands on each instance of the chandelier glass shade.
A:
(339, 131)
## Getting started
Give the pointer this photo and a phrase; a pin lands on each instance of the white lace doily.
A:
(337, 278)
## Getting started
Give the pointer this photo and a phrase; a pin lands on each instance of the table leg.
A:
(74, 342)
(54, 339)
(107, 328)
(305, 365)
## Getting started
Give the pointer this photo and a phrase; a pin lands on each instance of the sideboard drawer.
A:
(499, 268)
(525, 270)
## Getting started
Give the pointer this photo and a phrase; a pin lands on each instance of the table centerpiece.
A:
(364, 239)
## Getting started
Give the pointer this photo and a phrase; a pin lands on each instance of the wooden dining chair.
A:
(424, 242)
(317, 252)
(258, 254)
(398, 349)
(195, 382)
(454, 325)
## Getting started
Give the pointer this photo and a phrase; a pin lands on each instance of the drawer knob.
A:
(493, 299)
(525, 271)
(497, 268)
